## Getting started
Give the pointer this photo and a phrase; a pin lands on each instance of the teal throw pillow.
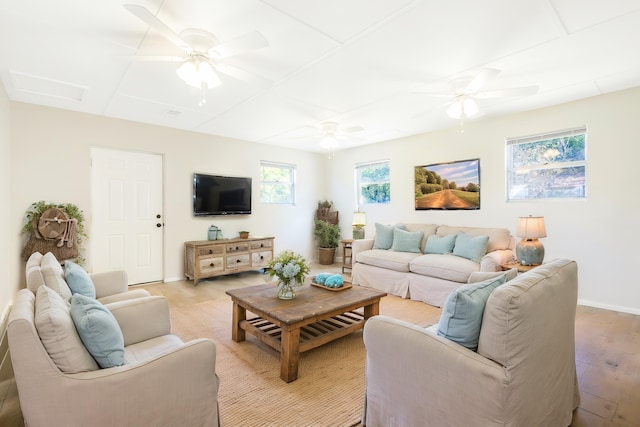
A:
(406, 241)
(440, 245)
(471, 247)
(78, 280)
(98, 330)
(384, 235)
(461, 317)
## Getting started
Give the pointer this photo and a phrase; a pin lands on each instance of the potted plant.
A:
(328, 237)
(244, 234)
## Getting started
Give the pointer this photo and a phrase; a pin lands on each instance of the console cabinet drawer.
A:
(211, 250)
(210, 258)
(210, 265)
(261, 259)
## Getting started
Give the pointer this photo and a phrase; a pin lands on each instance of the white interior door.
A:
(127, 219)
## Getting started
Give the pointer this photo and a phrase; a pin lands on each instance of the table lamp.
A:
(359, 221)
(529, 249)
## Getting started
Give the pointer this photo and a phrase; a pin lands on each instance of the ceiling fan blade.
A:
(245, 76)
(157, 58)
(250, 41)
(150, 19)
(480, 79)
(500, 93)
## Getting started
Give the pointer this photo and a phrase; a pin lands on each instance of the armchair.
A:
(523, 373)
(164, 382)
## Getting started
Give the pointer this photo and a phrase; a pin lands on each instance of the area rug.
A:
(329, 390)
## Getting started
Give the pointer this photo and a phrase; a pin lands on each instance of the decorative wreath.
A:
(53, 228)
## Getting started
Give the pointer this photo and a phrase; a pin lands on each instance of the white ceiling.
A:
(369, 65)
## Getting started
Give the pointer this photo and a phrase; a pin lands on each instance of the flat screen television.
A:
(221, 195)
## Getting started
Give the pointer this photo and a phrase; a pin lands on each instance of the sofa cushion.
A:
(461, 317)
(78, 280)
(384, 235)
(406, 241)
(99, 331)
(53, 275)
(499, 238)
(440, 244)
(58, 333)
(150, 349)
(446, 267)
(34, 272)
(427, 230)
(471, 247)
(397, 261)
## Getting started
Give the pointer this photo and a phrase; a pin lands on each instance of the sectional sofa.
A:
(425, 262)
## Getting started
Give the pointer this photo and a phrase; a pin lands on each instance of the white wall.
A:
(50, 153)
(8, 287)
(601, 233)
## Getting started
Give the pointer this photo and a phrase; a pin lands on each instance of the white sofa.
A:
(80, 362)
(523, 373)
(422, 276)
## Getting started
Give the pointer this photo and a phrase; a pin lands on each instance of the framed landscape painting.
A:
(448, 186)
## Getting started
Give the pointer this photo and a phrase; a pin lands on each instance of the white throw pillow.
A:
(34, 272)
(58, 333)
(54, 275)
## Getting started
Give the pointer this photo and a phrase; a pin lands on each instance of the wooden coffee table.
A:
(314, 317)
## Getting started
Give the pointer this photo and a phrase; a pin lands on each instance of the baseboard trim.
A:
(612, 307)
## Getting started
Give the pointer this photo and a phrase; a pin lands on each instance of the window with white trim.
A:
(277, 183)
(548, 166)
(373, 184)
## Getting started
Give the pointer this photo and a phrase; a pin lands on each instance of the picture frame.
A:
(448, 186)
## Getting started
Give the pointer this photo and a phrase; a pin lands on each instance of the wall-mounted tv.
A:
(221, 195)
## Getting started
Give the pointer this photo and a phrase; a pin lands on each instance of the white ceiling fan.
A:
(203, 53)
(466, 90)
(331, 135)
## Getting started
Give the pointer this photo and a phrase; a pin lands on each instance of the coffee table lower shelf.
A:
(311, 336)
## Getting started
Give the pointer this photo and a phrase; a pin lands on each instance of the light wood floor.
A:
(607, 354)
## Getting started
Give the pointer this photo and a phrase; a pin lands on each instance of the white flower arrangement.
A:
(290, 268)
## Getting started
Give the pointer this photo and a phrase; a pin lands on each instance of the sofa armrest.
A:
(409, 365)
(360, 245)
(492, 261)
(110, 283)
(141, 319)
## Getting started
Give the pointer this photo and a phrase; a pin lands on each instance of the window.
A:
(373, 183)
(548, 166)
(277, 183)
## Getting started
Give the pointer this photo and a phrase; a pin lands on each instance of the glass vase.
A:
(286, 291)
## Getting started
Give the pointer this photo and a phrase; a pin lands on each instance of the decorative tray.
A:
(345, 285)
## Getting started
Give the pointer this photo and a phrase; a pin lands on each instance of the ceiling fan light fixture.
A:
(462, 106)
(197, 72)
(329, 142)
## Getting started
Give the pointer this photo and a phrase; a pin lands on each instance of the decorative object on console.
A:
(244, 234)
(212, 233)
(448, 186)
(529, 249)
(359, 221)
(291, 269)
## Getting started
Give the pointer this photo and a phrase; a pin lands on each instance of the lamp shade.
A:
(359, 219)
(531, 227)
